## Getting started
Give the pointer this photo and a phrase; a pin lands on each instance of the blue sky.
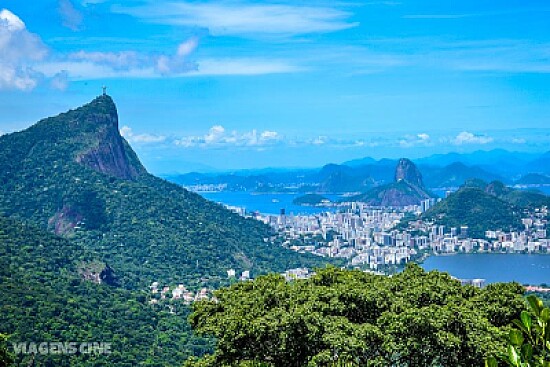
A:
(243, 84)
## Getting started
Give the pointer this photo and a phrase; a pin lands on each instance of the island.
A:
(311, 200)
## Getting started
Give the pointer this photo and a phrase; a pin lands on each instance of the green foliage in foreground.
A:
(6, 359)
(338, 317)
(43, 299)
(529, 342)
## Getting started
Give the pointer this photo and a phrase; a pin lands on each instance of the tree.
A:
(6, 359)
(341, 317)
(529, 341)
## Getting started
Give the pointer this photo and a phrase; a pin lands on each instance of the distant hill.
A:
(541, 164)
(483, 158)
(534, 179)
(360, 162)
(74, 175)
(475, 208)
(486, 206)
(44, 297)
(455, 174)
(359, 175)
(407, 188)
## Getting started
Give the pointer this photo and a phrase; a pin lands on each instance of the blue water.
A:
(524, 269)
(266, 203)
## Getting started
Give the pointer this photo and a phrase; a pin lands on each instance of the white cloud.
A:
(11, 21)
(214, 134)
(18, 50)
(466, 137)
(117, 60)
(187, 47)
(218, 136)
(129, 135)
(71, 17)
(269, 135)
(102, 68)
(126, 63)
(415, 140)
(519, 141)
(423, 137)
(320, 140)
(239, 66)
(243, 19)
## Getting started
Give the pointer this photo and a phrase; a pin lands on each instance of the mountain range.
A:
(439, 171)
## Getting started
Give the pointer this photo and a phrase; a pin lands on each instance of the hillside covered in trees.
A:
(43, 297)
(350, 318)
(486, 206)
(74, 175)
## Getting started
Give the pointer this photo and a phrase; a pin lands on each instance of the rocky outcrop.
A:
(65, 220)
(406, 171)
(108, 153)
(408, 188)
(98, 272)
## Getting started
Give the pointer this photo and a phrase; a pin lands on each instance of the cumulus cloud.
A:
(415, 140)
(466, 137)
(129, 135)
(18, 50)
(70, 16)
(218, 136)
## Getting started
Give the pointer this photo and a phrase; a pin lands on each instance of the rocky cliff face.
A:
(109, 154)
(406, 171)
(408, 188)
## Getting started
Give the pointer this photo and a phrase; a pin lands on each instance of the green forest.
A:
(341, 317)
(43, 298)
(145, 228)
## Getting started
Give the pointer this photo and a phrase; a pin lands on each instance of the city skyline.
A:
(241, 84)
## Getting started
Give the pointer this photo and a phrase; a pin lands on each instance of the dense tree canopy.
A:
(44, 299)
(412, 319)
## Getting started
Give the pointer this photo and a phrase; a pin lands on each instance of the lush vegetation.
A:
(43, 298)
(352, 318)
(145, 228)
(482, 206)
(529, 341)
(476, 209)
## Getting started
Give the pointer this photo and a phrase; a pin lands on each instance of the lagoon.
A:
(522, 268)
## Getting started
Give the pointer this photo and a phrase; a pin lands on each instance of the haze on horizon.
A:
(249, 84)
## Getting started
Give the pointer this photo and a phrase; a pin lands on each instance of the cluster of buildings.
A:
(367, 237)
(180, 292)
